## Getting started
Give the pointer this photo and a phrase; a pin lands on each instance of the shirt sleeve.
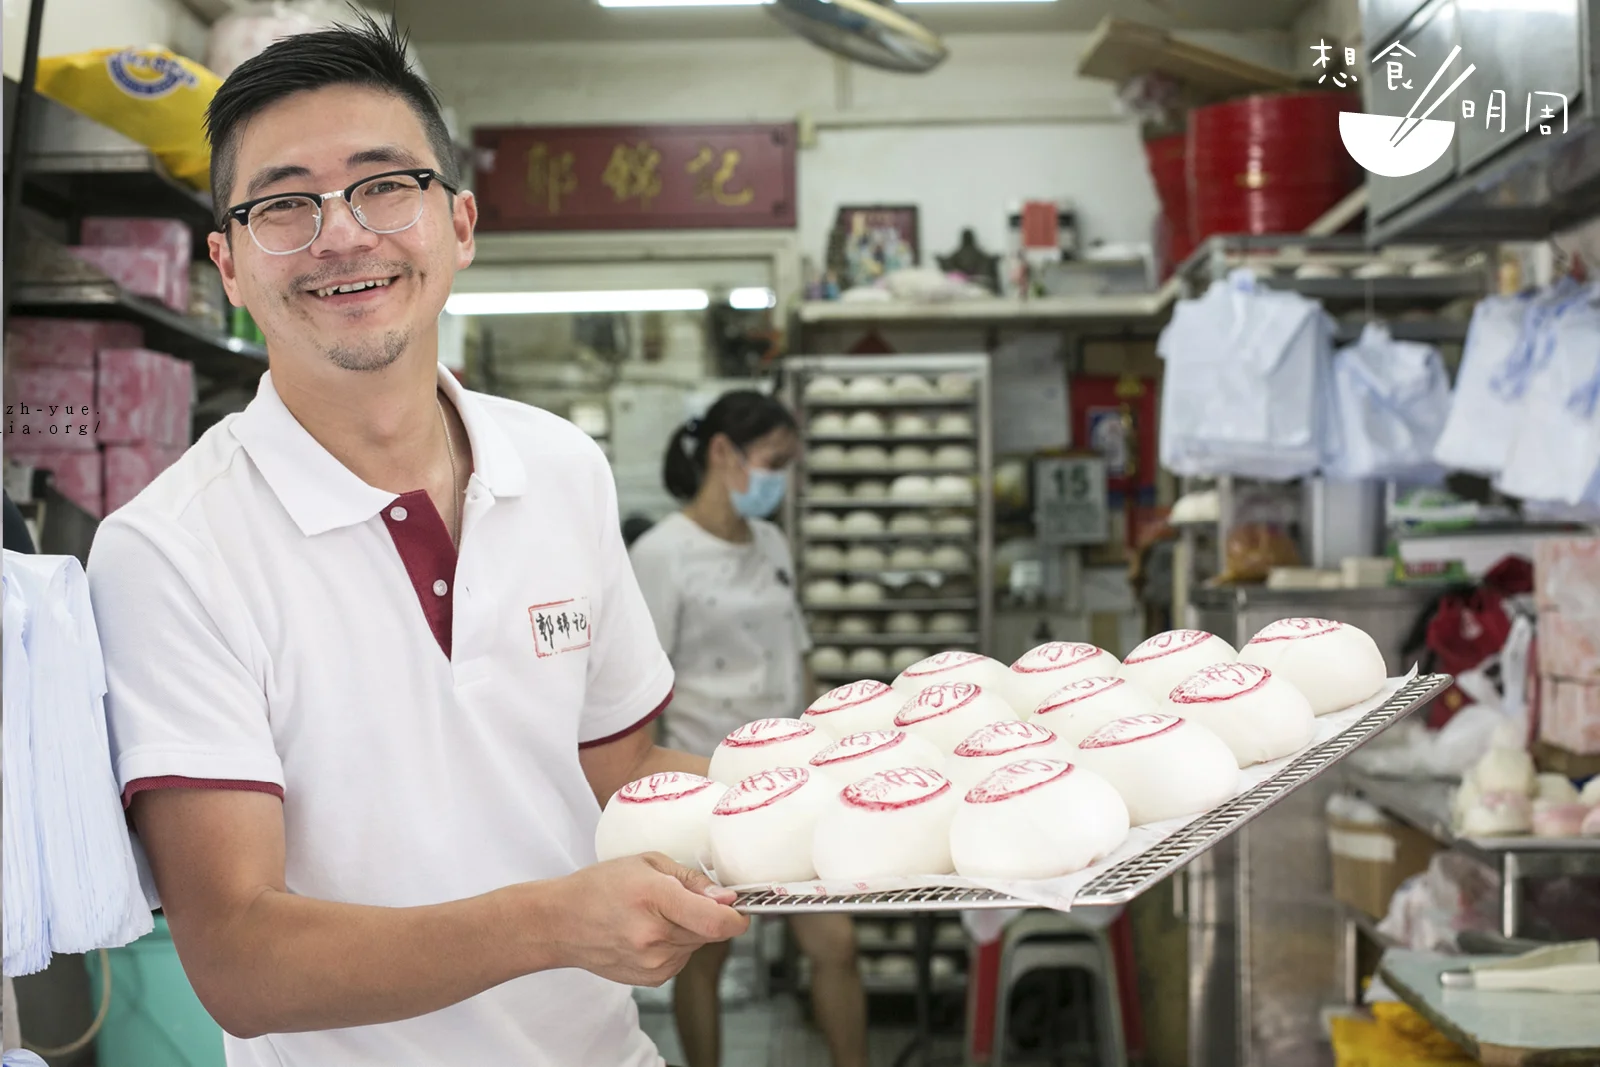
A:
(785, 562)
(184, 704)
(630, 678)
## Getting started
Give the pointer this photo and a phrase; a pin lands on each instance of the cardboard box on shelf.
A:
(77, 473)
(143, 397)
(140, 271)
(129, 468)
(1566, 575)
(34, 342)
(1569, 714)
(1370, 860)
(170, 237)
(50, 407)
(1569, 646)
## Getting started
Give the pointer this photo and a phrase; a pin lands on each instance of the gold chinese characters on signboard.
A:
(550, 177)
(632, 172)
(714, 185)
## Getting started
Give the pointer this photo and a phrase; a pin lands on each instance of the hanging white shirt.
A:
(727, 616)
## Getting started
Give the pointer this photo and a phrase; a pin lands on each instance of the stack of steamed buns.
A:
(966, 766)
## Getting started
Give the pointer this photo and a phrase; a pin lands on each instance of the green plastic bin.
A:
(155, 1019)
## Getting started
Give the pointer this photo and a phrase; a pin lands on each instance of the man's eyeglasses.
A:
(285, 223)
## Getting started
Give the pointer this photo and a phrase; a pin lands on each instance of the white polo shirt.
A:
(272, 622)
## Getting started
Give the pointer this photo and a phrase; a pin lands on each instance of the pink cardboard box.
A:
(129, 468)
(1569, 715)
(140, 271)
(50, 408)
(143, 397)
(172, 238)
(1566, 575)
(65, 342)
(77, 473)
(1569, 646)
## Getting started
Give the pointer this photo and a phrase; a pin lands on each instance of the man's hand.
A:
(636, 920)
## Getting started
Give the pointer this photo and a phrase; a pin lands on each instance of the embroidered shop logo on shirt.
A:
(560, 626)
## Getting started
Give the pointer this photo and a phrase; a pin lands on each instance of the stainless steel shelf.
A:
(856, 403)
(214, 354)
(877, 984)
(888, 505)
(883, 472)
(1135, 875)
(881, 573)
(955, 604)
(887, 538)
(889, 439)
(943, 641)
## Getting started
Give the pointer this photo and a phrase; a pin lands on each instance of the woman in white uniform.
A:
(719, 580)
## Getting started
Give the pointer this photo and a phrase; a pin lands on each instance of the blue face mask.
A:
(763, 495)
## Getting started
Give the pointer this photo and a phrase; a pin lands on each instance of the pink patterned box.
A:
(77, 473)
(1569, 715)
(172, 238)
(1569, 646)
(143, 397)
(129, 468)
(50, 408)
(65, 342)
(140, 271)
(1566, 575)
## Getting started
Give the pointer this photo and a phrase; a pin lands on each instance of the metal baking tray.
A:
(1134, 875)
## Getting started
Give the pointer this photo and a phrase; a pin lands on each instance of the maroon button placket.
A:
(423, 541)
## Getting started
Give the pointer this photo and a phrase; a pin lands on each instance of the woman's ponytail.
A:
(743, 416)
(684, 464)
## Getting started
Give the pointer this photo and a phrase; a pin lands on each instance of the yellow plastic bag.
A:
(1396, 1036)
(148, 94)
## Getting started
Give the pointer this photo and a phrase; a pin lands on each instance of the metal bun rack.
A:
(972, 594)
(1135, 875)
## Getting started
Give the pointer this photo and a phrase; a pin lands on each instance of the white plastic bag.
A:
(1391, 400)
(1477, 434)
(1555, 446)
(1247, 368)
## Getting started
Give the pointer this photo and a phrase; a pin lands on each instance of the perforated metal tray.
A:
(1131, 877)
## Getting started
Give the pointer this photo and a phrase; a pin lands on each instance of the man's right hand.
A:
(636, 920)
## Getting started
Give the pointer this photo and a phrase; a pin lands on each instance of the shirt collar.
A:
(322, 494)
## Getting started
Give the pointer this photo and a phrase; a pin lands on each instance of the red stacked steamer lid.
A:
(1167, 159)
(1267, 164)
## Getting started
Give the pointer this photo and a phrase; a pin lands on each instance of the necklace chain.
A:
(455, 482)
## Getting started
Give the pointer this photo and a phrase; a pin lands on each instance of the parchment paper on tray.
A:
(1059, 893)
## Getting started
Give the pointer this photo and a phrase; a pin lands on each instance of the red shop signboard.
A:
(634, 177)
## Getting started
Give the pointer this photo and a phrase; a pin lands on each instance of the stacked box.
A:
(143, 397)
(65, 342)
(1567, 594)
(170, 237)
(129, 468)
(50, 408)
(140, 271)
(77, 473)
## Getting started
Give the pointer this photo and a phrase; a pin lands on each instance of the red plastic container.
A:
(1267, 164)
(1167, 159)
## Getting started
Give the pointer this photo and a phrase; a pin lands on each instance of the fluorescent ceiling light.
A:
(683, 3)
(752, 299)
(591, 303)
(761, 3)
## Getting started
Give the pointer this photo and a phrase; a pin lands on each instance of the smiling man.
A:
(374, 651)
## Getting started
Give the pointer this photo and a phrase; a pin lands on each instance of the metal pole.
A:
(21, 137)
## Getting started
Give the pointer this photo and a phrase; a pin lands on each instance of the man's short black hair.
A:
(365, 53)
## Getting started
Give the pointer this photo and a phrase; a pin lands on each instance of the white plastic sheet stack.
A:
(70, 860)
(1391, 400)
(1248, 371)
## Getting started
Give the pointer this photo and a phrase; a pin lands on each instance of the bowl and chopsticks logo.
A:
(1399, 146)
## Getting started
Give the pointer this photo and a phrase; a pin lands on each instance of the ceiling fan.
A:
(873, 32)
